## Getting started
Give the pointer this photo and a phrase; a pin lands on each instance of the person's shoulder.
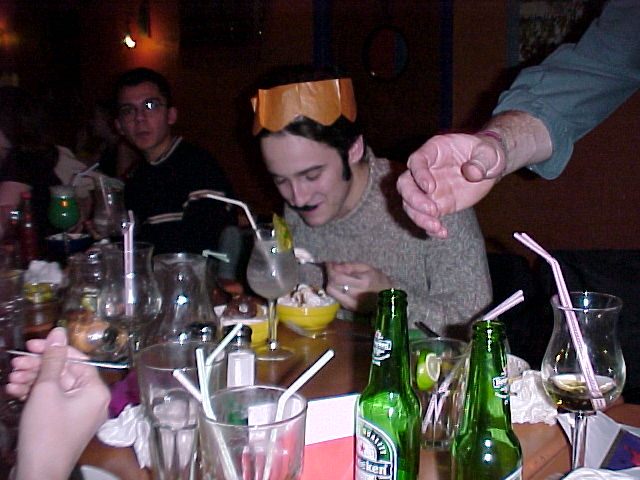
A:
(194, 151)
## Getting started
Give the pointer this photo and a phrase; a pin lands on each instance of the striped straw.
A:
(597, 401)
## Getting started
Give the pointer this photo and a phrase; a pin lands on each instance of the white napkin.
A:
(593, 474)
(129, 428)
(43, 272)
(529, 402)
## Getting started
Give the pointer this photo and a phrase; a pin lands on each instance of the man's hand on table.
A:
(66, 403)
(355, 285)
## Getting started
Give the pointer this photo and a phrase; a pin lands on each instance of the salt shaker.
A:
(241, 359)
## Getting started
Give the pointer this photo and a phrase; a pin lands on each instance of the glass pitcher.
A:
(186, 312)
(136, 308)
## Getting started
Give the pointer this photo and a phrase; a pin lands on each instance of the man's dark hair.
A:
(340, 135)
(134, 77)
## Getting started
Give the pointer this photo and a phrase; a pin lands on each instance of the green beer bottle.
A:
(485, 446)
(388, 410)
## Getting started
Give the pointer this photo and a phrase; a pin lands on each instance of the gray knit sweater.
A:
(447, 281)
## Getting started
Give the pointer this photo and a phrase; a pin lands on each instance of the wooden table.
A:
(545, 448)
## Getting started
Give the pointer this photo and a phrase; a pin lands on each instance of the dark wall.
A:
(595, 203)
(72, 50)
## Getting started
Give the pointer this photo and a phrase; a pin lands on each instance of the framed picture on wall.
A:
(537, 27)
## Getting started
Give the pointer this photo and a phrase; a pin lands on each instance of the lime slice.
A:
(427, 370)
(283, 235)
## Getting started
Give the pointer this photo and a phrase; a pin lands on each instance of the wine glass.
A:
(63, 212)
(271, 273)
(562, 377)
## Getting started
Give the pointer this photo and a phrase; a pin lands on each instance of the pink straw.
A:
(127, 232)
(436, 402)
(597, 400)
(509, 303)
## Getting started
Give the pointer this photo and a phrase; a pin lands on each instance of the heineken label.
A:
(501, 385)
(381, 348)
(515, 475)
(376, 454)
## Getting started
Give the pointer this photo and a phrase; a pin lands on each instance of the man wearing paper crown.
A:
(342, 206)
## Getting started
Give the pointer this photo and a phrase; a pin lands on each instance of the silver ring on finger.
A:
(345, 289)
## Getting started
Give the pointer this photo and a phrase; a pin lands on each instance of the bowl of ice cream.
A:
(307, 307)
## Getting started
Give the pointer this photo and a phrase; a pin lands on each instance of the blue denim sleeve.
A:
(579, 85)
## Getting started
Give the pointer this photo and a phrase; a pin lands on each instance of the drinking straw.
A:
(300, 381)
(105, 197)
(223, 257)
(597, 400)
(76, 176)
(203, 379)
(127, 232)
(187, 384)
(436, 402)
(204, 373)
(284, 398)
(223, 343)
(509, 303)
(93, 363)
(221, 198)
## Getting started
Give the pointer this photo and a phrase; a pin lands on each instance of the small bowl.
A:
(78, 242)
(311, 319)
(259, 325)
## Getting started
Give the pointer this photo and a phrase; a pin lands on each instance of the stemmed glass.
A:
(63, 212)
(562, 377)
(271, 273)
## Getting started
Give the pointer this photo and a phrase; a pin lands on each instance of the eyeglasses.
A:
(129, 112)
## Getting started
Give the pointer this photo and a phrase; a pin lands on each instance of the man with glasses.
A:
(174, 168)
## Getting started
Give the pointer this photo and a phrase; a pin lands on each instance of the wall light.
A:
(129, 41)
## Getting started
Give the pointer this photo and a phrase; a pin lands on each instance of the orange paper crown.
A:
(323, 101)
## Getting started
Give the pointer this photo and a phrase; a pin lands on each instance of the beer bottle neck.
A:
(390, 359)
(487, 399)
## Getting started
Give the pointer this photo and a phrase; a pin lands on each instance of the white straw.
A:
(203, 379)
(210, 194)
(76, 176)
(127, 232)
(204, 374)
(300, 381)
(225, 341)
(187, 384)
(284, 398)
(509, 303)
(597, 400)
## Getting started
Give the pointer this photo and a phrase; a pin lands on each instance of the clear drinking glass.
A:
(109, 213)
(145, 300)
(597, 315)
(172, 412)
(244, 441)
(11, 313)
(271, 273)
(442, 401)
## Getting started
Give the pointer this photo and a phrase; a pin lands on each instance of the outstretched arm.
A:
(66, 404)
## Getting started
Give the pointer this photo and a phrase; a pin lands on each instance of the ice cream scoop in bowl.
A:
(307, 308)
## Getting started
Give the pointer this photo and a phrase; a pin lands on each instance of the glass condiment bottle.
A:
(241, 359)
(388, 410)
(485, 446)
(41, 310)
